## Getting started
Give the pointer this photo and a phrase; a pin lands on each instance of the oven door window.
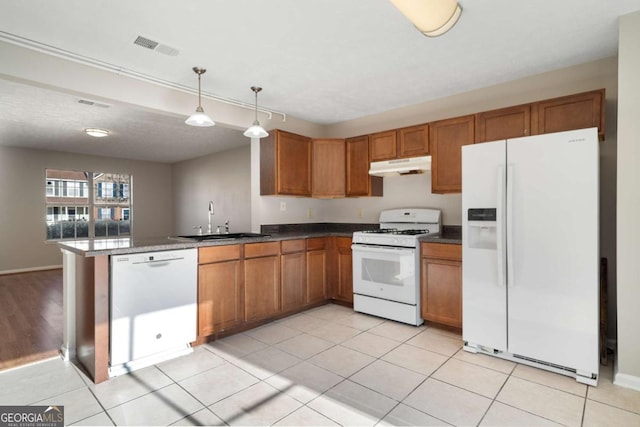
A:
(387, 273)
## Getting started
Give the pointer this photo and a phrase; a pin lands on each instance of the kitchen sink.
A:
(201, 237)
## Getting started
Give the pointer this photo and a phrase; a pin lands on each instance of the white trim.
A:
(626, 380)
(27, 270)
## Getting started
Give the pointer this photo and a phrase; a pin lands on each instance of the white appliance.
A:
(530, 251)
(386, 265)
(396, 167)
(153, 308)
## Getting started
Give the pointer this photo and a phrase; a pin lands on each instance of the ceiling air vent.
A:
(156, 46)
(145, 42)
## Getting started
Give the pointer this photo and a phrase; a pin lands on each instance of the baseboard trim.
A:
(628, 381)
(31, 269)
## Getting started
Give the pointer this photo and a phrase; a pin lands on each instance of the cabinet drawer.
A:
(255, 250)
(316, 243)
(441, 251)
(218, 253)
(289, 246)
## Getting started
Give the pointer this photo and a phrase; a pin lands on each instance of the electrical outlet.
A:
(359, 212)
(310, 213)
(283, 206)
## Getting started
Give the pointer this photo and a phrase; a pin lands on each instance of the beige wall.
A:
(628, 362)
(224, 178)
(22, 211)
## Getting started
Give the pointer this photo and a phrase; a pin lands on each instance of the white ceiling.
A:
(323, 61)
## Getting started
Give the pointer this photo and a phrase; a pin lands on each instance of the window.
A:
(73, 212)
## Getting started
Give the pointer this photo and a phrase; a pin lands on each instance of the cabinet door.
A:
(293, 164)
(316, 276)
(383, 145)
(413, 141)
(447, 138)
(262, 287)
(441, 291)
(328, 166)
(511, 122)
(343, 269)
(572, 112)
(359, 182)
(293, 278)
(220, 297)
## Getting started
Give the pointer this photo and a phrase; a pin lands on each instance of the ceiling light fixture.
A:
(96, 133)
(255, 130)
(199, 118)
(431, 17)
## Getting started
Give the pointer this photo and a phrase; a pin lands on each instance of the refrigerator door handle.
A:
(509, 243)
(500, 258)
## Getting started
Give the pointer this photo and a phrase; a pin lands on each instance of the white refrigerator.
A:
(530, 255)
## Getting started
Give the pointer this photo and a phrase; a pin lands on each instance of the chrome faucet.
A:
(210, 215)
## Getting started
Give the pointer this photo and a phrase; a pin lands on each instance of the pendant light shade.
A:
(255, 130)
(199, 118)
(431, 17)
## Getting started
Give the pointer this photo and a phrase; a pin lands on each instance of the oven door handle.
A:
(382, 249)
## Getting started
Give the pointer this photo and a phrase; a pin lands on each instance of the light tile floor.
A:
(327, 366)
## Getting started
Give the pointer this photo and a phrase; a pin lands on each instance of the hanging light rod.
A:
(255, 130)
(80, 59)
(199, 118)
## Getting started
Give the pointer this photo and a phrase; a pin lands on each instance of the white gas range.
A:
(386, 265)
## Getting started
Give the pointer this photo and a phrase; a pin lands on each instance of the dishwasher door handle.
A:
(158, 261)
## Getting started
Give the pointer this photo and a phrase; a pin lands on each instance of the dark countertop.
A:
(128, 245)
(451, 234)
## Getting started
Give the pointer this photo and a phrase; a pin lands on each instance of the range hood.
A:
(396, 167)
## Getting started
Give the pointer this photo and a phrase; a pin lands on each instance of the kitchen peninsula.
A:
(242, 282)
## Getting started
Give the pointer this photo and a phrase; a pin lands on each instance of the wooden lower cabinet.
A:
(293, 274)
(316, 270)
(441, 283)
(220, 296)
(342, 269)
(220, 289)
(261, 281)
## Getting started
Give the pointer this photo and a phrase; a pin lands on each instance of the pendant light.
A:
(431, 17)
(255, 130)
(199, 118)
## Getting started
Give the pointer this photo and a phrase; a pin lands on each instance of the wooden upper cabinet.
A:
(384, 145)
(510, 122)
(328, 168)
(413, 141)
(285, 164)
(447, 138)
(359, 182)
(583, 110)
(406, 142)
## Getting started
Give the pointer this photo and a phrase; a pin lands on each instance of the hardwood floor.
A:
(30, 317)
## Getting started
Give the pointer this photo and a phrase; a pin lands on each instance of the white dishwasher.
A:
(153, 308)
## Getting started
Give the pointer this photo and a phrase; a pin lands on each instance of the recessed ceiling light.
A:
(97, 133)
